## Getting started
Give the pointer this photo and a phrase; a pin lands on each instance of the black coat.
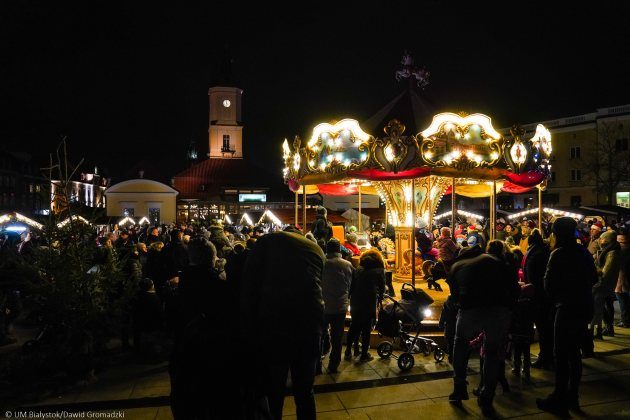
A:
(175, 257)
(484, 281)
(366, 290)
(281, 297)
(534, 269)
(321, 228)
(569, 278)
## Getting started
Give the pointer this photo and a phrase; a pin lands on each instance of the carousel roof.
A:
(457, 146)
(411, 109)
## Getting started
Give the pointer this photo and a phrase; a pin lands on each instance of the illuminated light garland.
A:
(286, 150)
(352, 126)
(273, 217)
(75, 218)
(126, 220)
(248, 220)
(450, 118)
(548, 210)
(462, 212)
(28, 221)
(144, 220)
(21, 218)
(227, 219)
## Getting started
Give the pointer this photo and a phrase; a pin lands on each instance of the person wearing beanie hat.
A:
(608, 263)
(474, 238)
(351, 243)
(568, 283)
(336, 281)
(321, 227)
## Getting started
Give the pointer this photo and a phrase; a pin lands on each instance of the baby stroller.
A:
(402, 321)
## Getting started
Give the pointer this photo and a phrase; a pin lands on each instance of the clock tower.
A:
(225, 131)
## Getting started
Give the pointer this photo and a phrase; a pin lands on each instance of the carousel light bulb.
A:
(311, 162)
(467, 136)
(322, 166)
(339, 156)
(389, 153)
(428, 155)
(364, 156)
(286, 150)
(347, 162)
(329, 158)
(331, 142)
(315, 148)
(494, 155)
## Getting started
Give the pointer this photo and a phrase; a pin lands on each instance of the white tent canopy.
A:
(352, 216)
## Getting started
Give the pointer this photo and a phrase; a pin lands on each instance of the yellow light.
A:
(346, 124)
(518, 153)
(428, 155)
(322, 166)
(296, 162)
(76, 217)
(227, 219)
(248, 220)
(286, 151)
(542, 139)
(448, 117)
(126, 220)
(28, 221)
(494, 155)
(389, 153)
(144, 220)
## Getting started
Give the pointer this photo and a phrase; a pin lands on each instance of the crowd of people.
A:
(564, 285)
(219, 293)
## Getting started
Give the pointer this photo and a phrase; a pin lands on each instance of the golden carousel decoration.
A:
(456, 153)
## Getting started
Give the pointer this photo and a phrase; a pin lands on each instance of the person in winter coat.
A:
(622, 290)
(366, 291)
(474, 237)
(486, 288)
(447, 248)
(534, 267)
(147, 320)
(608, 264)
(321, 227)
(282, 312)
(175, 256)
(568, 281)
(595, 232)
(336, 281)
(351, 244)
(205, 328)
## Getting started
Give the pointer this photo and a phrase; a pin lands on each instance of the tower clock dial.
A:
(227, 103)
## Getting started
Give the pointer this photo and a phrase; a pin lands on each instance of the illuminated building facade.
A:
(575, 138)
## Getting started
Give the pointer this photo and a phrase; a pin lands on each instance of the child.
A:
(477, 343)
(522, 330)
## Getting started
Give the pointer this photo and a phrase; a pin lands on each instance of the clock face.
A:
(227, 103)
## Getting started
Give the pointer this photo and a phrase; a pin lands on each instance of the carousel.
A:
(456, 154)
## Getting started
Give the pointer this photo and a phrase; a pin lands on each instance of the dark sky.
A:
(126, 81)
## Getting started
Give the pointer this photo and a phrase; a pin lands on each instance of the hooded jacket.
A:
(336, 281)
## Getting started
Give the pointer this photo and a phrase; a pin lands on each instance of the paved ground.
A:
(377, 390)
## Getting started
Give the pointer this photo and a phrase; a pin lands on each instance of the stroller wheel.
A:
(425, 348)
(405, 361)
(385, 349)
(438, 354)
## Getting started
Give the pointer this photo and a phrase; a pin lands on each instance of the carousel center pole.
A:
(304, 208)
(540, 209)
(453, 208)
(413, 228)
(359, 207)
(297, 204)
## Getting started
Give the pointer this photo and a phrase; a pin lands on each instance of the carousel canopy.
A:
(454, 146)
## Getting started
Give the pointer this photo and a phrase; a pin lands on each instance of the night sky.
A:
(127, 82)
